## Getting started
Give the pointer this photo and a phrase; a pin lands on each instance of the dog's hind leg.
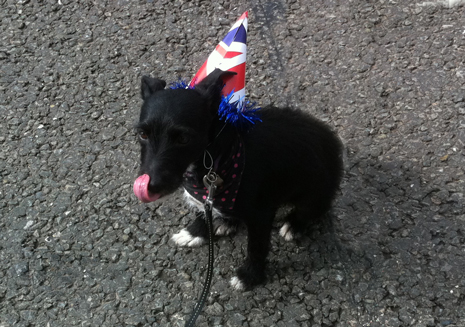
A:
(299, 219)
(296, 221)
(195, 234)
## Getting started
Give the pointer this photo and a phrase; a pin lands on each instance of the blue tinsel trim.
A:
(180, 84)
(241, 114)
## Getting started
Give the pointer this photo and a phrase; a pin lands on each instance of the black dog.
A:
(288, 158)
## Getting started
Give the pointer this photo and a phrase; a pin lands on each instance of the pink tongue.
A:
(141, 189)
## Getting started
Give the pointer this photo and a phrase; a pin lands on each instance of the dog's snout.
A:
(155, 184)
(162, 183)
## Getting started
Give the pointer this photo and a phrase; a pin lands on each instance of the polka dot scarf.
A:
(230, 170)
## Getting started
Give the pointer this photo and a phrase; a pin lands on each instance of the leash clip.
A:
(211, 181)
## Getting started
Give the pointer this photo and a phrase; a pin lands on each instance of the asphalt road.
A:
(76, 247)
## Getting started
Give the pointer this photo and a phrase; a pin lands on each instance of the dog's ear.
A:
(210, 87)
(151, 85)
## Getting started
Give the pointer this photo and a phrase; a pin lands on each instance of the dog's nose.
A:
(156, 184)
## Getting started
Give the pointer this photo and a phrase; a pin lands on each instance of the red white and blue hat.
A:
(230, 55)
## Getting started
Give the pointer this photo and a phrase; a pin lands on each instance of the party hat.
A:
(229, 55)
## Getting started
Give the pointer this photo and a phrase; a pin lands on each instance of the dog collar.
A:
(230, 170)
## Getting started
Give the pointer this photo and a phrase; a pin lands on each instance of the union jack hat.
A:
(229, 55)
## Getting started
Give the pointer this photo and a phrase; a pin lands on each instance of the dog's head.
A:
(174, 129)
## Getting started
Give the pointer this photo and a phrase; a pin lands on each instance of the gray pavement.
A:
(76, 247)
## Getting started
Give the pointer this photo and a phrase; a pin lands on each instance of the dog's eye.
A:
(143, 136)
(183, 139)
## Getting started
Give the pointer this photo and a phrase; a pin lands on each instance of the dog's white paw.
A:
(223, 229)
(236, 283)
(184, 238)
(286, 232)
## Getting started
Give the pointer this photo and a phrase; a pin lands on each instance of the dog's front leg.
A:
(195, 234)
(252, 272)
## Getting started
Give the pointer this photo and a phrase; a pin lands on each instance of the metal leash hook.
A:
(211, 181)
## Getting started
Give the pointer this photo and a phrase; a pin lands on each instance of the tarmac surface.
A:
(78, 249)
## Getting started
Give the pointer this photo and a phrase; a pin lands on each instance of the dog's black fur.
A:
(291, 158)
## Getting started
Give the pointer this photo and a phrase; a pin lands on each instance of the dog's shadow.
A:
(369, 224)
